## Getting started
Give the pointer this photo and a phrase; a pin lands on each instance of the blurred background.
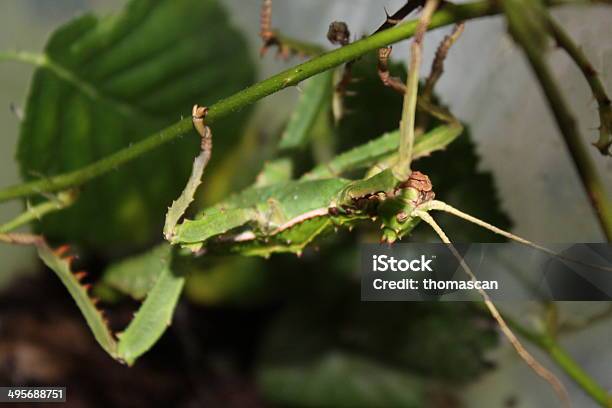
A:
(292, 332)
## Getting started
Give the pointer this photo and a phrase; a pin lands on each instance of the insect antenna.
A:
(534, 364)
(442, 206)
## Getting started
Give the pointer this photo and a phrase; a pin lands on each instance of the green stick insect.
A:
(287, 215)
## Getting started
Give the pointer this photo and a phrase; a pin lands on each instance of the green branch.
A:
(599, 92)
(562, 358)
(62, 200)
(526, 26)
(290, 77)
(449, 15)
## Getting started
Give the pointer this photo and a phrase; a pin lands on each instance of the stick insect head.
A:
(396, 212)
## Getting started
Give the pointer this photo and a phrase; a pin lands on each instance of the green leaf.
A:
(104, 83)
(275, 171)
(228, 280)
(374, 109)
(375, 150)
(314, 98)
(440, 341)
(341, 380)
(154, 315)
(137, 275)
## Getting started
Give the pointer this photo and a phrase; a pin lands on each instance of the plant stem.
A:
(402, 169)
(290, 77)
(561, 357)
(62, 200)
(534, 50)
(449, 15)
(599, 92)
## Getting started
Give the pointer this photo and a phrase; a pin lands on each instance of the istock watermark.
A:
(384, 263)
(509, 271)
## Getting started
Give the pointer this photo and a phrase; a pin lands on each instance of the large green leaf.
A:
(373, 109)
(314, 99)
(110, 82)
(341, 380)
(136, 276)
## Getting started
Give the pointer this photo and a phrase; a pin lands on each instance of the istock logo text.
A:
(382, 263)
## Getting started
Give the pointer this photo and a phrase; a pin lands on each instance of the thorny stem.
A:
(402, 169)
(587, 171)
(599, 92)
(62, 200)
(518, 346)
(561, 357)
(400, 14)
(450, 14)
(290, 77)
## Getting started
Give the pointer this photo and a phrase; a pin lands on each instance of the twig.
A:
(63, 200)
(290, 77)
(572, 327)
(400, 14)
(535, 365)
(587, 171)
(591, 76)
(402, 169)
(560, 356)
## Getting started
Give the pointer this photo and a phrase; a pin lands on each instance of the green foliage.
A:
(134, 85)
(229, 280)
(341, 380)
(435, 340)
(110, 82)
(363, 119)
(381, 148)
(314, 99)
(137, 275)
(273, 172)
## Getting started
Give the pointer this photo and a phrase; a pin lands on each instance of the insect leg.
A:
(534, 364)
(180, 205)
